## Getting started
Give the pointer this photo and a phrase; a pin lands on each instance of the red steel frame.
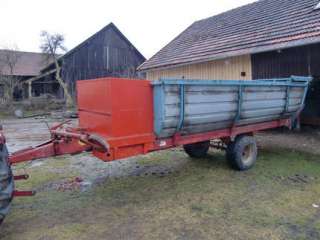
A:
(72, 141)
(228, 133)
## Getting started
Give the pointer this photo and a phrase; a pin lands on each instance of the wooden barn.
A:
(265, 39)
(108, 53)
(22, 66)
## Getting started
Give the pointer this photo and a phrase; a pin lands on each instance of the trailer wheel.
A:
(242, 153)
(6, 183)
(197, 150)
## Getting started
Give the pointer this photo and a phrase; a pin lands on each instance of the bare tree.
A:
(52, 44)
(8, 78)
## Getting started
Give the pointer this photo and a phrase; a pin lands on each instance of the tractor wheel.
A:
(6, 183)
(242, 153)
(197, 150)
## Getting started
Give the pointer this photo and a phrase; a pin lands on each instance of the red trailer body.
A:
(121, 112)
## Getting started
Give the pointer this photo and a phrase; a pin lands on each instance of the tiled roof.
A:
(261, 26)
(27, 64)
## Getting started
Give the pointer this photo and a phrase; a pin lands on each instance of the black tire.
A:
(6, 183)
(229, 152)
(242, 153)
(197, 150)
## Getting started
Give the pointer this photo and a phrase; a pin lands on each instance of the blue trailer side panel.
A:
(193, 106)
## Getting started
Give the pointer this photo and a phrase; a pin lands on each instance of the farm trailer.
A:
(120, 118)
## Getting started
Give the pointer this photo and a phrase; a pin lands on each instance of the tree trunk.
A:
(7, 95)
(8, 92)
(68, 97)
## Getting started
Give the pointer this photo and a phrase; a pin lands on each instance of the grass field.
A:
(185, 199)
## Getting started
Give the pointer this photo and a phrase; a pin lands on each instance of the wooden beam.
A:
(30, 89)
(40, 76)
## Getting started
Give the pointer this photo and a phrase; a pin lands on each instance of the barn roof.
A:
(27, 63)
(258, 27)
(76, 48)
(114, 27)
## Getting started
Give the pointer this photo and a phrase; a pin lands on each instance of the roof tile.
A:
(28, 63)
(261, 26)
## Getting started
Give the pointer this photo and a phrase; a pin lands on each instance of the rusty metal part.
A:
(21, 177)
(101, 143)
(17, 193)
(59, 125)
(218, 145)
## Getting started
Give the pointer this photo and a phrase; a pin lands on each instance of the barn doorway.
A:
(311, 112)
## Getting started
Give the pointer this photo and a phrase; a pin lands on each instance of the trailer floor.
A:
(166, 195)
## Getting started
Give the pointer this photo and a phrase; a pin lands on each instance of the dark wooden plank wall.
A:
(106, 54)
(287, 62)
(301, 61)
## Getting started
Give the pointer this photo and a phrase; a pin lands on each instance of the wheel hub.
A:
(247, 153)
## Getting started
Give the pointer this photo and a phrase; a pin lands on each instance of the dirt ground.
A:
(166, 195)
(307, 140)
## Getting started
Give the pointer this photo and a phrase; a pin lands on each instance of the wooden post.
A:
(30, 89)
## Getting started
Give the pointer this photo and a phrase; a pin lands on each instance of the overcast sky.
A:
(148, 24)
